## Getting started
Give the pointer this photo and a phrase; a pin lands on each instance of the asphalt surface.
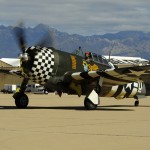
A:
(53, 123)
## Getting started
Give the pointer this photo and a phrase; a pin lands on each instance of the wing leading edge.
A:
(11, 72)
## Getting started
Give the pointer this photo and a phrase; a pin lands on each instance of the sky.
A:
(84, 17)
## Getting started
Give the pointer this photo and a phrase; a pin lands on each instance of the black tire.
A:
(89, 105)
(136, 103)
(21, 101)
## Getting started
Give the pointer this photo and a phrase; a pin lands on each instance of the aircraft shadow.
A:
(78, 108)
(125, 106)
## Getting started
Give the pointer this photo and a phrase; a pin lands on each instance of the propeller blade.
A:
(48, 40)
(19, 33)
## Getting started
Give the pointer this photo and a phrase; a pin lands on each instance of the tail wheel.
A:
(21, 100)
(136, 103)
(89, 105)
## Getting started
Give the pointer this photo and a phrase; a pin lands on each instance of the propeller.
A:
(46, 41)
(26, 57)
(20, 36)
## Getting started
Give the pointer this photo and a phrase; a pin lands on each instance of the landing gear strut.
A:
(21, 99)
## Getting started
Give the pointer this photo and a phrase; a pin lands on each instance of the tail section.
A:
(129, 90)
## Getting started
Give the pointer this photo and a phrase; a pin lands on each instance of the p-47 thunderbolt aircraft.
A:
(89, 74)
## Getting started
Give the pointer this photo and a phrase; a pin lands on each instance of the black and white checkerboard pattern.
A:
(43, 64)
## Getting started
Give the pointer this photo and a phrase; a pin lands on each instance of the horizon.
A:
(32, 27)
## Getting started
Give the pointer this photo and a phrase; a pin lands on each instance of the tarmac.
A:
(53, 123)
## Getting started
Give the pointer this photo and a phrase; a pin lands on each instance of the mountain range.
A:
(123, 43)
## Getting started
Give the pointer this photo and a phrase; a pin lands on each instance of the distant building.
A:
(13, 62)
(122, 61)
(9, 64)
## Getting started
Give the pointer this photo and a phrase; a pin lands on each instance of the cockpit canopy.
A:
(89, 56)
(96, 58)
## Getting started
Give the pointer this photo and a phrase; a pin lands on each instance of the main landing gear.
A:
(21, 99)
(92, 100)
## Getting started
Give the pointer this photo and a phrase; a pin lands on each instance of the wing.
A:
(9, 71)
(4, 71)
(16, 72)
(117, 76)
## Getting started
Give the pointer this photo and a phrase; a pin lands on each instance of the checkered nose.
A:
(42, 64)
